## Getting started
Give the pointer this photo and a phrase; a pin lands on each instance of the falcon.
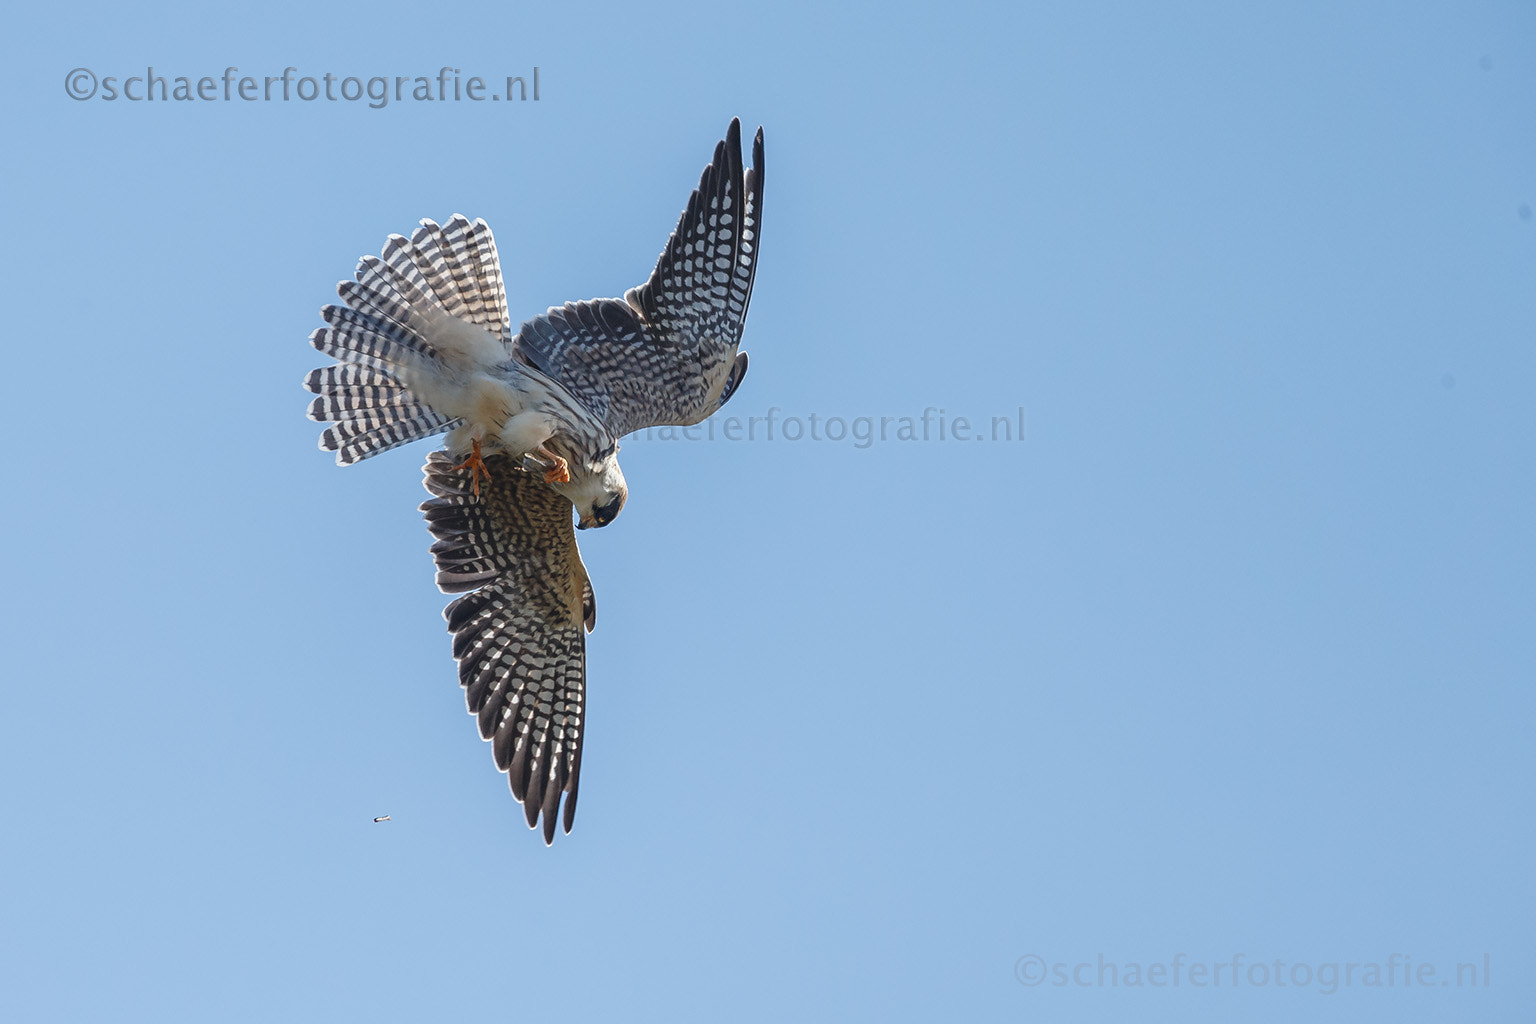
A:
(425, 346)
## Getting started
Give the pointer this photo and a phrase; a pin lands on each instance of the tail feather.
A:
(482, 245)
(341, 376)
(356, 439)
(465, 255)
(373, 293)
(459, 266)
(399, 256)
(379, 404)
(371, 340)
(396, 302)
(362, 395)
(433, 252)
(362, 347)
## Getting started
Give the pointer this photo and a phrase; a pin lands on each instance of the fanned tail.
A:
(380, 337)
(362, 396)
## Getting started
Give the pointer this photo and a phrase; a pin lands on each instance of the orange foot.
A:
(559, 473)
(476, 465)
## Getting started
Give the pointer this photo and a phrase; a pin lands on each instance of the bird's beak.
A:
(585, 523)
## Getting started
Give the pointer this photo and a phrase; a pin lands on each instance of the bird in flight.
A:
(424, 345)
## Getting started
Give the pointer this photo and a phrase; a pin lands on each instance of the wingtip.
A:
(733, 380)
(531, 808)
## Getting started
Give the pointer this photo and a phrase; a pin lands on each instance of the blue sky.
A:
(1228, 656)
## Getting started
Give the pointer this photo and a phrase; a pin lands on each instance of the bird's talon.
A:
(559, 473)
(476, 466)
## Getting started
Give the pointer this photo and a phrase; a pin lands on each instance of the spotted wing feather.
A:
(519, 630)
(667, 353)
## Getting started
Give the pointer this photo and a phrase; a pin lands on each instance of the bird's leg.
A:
(558, 470)
(476, 465)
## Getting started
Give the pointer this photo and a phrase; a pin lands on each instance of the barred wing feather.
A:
(519, 630)
(667, 353)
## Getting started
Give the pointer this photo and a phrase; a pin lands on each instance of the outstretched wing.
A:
(518, 632)
(667, 352)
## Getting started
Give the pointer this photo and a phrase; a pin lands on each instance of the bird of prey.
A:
(424, 345)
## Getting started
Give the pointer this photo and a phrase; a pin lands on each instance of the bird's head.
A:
(598, 491)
